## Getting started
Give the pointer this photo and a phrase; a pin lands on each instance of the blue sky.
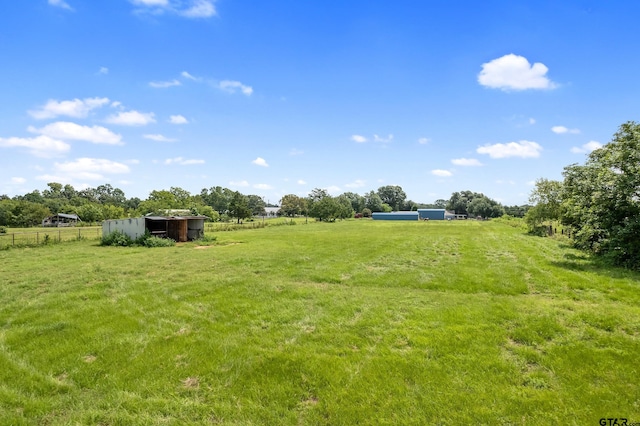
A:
(277, 97)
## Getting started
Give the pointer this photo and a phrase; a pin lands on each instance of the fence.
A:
(50, 235)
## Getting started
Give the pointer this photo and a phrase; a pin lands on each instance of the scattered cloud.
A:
(358, 183)
(586, 148)
(187, 9)
(532, 121)
(231, 86)
(301, 182)
(77, 108)
(377, 138)
(334, 189)
(182, 161)
(188, 76)
(260, 162)
(241, 183)
(103, 71)
(262, 186)
(561, 130)
(505, 182)
(159, 138)
(441, 173)
(295, 152)
(513, 72)
(178, 119)
(165, 84)
(466, 162)
(132, 118)
(61, 4)
(358, 138)
(40, 146)
(522, 149)
(87, 169)
(18, 180)
(66, 130)
(424, 141)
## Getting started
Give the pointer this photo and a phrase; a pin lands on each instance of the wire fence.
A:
(19, 239)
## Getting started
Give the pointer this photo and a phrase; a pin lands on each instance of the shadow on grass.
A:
(585, 262)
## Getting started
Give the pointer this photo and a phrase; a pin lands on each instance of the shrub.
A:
(116, 238)
(3, 229)
(152, 241)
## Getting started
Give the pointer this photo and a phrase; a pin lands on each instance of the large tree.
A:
(239, 206)
(601, 199)
(292, 205)
(392, 195)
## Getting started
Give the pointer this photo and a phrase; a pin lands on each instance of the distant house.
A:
(60, 220)
(178, 228)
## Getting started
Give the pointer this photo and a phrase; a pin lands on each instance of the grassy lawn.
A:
(355, 322)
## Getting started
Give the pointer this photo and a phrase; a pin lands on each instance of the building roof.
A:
(67, 216)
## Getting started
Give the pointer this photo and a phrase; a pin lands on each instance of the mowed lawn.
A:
(354, 322)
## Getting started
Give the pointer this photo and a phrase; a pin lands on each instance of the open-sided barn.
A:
(178, 228)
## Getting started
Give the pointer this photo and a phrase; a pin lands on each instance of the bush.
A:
(116, 238)
(152, 241)
(3, 229)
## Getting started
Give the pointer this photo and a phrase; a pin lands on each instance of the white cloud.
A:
(358, 183)
(85, 169)
(199, 9)
(424, 141)
(160, 3)
(532, 121)
(513, 72)
(466, 162)
(132, 118)
(522, 149)
(71, 131)
(263, 186)
(241, 183)
(295, 152)
(587, 147)
(40, 146)
(260, 162)
(561, 129)
(334, 190)
(301, 182)
(182, 161)
(60, 3)
(103, 71)
(189, 76)
(441, 173)
(233, 86)
(383, 139)
(76, 108)
(358, 138)
(159, 138)
(164, 84)
(178, 119)
(504, 182)
(18, 180)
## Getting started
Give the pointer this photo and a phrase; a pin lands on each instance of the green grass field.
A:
(355, 322)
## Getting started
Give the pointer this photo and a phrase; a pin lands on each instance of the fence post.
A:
(59, 236)
(37, 238)
(13, 239)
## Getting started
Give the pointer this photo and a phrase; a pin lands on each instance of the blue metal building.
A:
(431, 214)
(395, 216)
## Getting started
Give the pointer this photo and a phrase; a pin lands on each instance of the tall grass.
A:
(355, 322)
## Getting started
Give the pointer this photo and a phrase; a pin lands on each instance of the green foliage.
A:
(239, 206)
(601, 199)
(116, 238)
(3, 229)
(474, 204)
(153, 241)
(366, 212)
(291, 205)
(393, 195)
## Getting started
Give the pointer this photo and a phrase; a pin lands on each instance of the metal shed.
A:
(431, 214)
(395, 216)
(178, 228)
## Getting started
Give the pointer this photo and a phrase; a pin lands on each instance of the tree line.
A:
(93, 205)
(597, 202)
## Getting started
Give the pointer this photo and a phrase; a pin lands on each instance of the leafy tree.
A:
(392, 195)
(373, 202)
(440, 204)
(90, 213)
(601, 199)
(517, 211)
(256, 205)
(485, 207)
(357, 201)
(26, 213)
(217, 197)
(239, 206)
(292, 205)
